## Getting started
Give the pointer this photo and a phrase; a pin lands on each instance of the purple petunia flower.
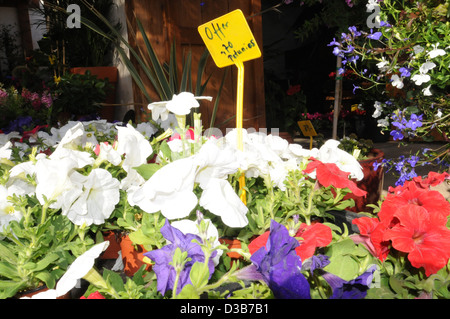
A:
(165, 272)
(280, 266)
(316, 262)
(353, 289)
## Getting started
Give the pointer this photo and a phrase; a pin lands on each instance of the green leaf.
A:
(6, 253)
(9, 289)
(47, 260)
(199, 275)
(147, 170)
(47, 278)
(188, 292)
(114, 279)
(342, 262)
(8, 270)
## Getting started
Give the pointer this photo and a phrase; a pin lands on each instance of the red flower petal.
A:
(423, 236)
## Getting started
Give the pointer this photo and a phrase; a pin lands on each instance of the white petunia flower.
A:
(169, 190)
(77, 270)
(146, 129)
(99, 196)
(329, 152)
(5, 150)
(180, 104)
(7, 209)
(221, 199)
(53, 181)
(106, 152)
(133, 145)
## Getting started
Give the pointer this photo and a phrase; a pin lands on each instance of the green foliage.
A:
(37, 249)
(77, 47)
(80, 94)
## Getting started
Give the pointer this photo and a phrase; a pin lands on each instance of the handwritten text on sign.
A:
(307, 128)
(229, 39)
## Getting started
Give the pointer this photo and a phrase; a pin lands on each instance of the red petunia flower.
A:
(432, 179)
(329, 174)
(33, 132)
(371, 236)
(312, 236)
(94, 295)
(422, 235)
(293, 89)
(411, 195)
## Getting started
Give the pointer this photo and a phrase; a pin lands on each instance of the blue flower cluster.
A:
(403, 166)
(404, 127)
(346, 51)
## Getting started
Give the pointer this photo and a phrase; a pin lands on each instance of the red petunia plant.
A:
(412, 221)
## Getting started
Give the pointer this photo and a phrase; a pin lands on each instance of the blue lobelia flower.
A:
(353, 289)
(397, 135)
(405, 72)
(280, 266)
(165, 271)
(414, 121)
(375, 36)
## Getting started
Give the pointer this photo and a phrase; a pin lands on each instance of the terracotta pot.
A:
(132, 256)
(112, 252)
(372, 183)
(103, 72)
(232, 243)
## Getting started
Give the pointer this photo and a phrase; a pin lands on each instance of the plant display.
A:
(23, 110)
(404, 58)
(79, 94)
(178, 193)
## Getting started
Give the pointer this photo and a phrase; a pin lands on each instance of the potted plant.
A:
(81, 50)
(38, 244)
(79, 95)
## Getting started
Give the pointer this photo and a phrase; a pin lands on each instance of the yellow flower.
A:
(56, 79)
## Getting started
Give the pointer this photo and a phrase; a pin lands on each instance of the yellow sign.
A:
(229, 39)
(307, 128)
